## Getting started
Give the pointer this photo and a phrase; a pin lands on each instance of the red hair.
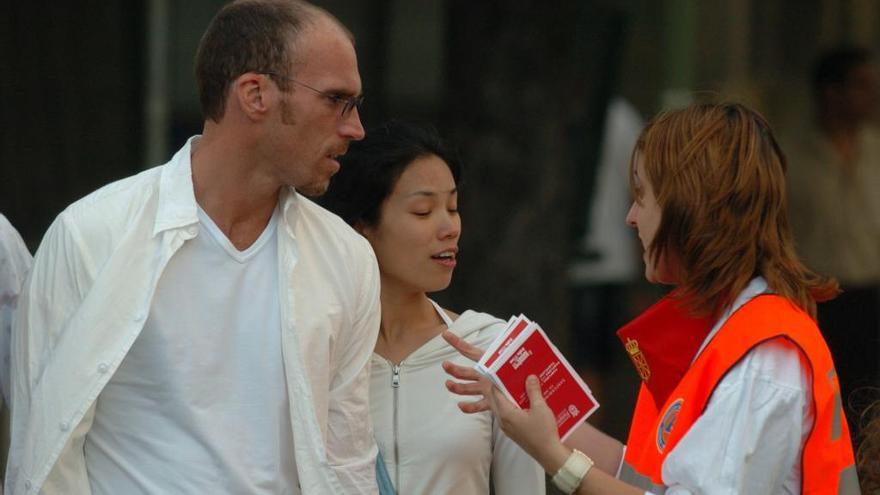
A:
(719, 178)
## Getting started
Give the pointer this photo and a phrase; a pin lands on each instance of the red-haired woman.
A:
(739, 393)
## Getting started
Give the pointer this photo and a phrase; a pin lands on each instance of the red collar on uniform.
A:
(662, 342)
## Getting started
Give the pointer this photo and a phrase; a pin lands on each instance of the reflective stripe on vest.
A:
(836, 426)
(827, 459)
(849, 482)
(631, 476)
(848, 485)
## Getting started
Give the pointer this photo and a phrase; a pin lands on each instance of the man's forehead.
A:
(322, 32)
(325, 50)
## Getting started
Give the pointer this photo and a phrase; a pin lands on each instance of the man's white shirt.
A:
(204, 381)
(90, 295)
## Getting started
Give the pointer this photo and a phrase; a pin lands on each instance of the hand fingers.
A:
(475, 406)
(466, 349)
(470, 388)
(509, 414)
(533, 389)
(501, 406)
(462, 372)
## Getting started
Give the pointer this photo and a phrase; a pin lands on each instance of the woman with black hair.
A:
(399, 189)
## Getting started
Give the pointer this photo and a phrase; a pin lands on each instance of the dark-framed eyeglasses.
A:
(348, 103)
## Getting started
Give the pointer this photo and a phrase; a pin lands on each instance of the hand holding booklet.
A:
(523, 349)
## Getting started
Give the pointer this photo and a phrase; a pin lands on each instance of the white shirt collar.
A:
(756, 287)
(177, 201)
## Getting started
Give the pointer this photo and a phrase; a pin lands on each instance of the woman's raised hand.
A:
(474, 382)
(533, 429)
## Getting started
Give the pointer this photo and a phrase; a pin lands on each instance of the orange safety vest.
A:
(827, 459)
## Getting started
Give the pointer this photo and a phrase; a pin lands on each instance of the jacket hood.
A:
(480, 329)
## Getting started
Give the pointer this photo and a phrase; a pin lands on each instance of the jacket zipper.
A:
(395, 384)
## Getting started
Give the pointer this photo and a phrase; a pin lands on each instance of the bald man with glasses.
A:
(203, 327)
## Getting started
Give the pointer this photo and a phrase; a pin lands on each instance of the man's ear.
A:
(252, 92)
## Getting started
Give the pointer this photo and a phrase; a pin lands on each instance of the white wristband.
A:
(570, 475)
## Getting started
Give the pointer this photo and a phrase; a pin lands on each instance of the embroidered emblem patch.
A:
(638, 359)
(666, 424)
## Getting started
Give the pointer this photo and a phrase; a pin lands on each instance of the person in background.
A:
(739, 392)
(399, 189)
(868, 455)
(203, 327)
(834, 195)
(15, 263)
(602, 280)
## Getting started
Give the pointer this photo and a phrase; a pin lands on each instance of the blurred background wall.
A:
(94, 91)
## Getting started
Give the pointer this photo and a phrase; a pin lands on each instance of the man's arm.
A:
(52, 294)
(351, 448)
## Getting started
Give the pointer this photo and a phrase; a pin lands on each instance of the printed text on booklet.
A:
(523, 349)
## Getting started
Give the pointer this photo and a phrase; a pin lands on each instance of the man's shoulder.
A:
(120, 191)
(113, 206)
(15, 258)
(342, 249)
(323, 222)
(7, 231)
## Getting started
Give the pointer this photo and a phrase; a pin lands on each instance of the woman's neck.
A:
(408, 321)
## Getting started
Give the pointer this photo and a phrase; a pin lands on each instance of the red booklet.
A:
(523, 350)
(515, 326)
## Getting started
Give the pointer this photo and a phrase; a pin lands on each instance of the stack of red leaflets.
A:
(523, 349)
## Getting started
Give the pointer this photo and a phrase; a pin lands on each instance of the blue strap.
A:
(382, 478)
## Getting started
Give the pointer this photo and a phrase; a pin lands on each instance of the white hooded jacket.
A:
(428, 444)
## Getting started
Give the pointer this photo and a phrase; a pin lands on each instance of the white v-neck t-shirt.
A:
(199, 404)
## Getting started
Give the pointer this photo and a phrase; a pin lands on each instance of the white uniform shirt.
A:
(90, 293)
(15, 262)
(751, 435)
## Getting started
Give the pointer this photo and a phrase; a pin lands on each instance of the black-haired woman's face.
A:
(416, 237)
